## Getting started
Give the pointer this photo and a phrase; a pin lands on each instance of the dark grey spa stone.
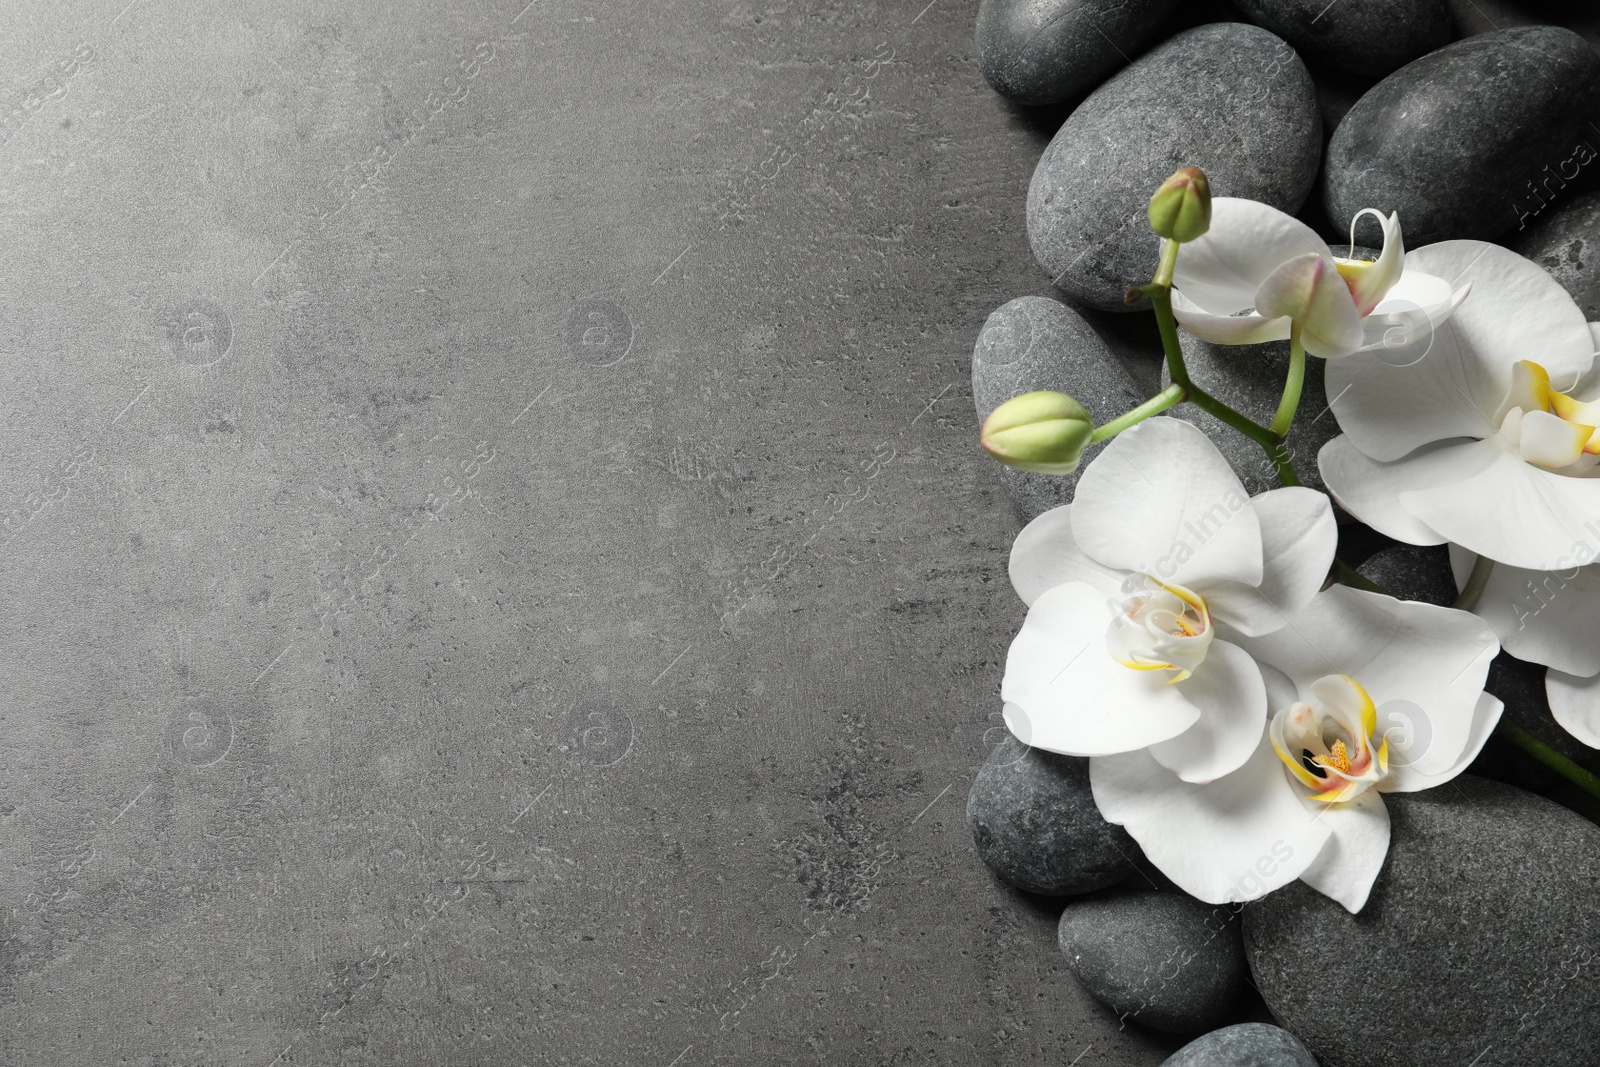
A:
(1047, 51)
(1565, 240)
(1480, 942)
(1473, 140)
(1034, 821)
(1163, 960)
(1366, 37)
(1243, 1045)
(1229, 98)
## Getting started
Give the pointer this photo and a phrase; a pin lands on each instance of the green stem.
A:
(1345, 574)
(1548, 756)
(1161, 297)
(1169, 263)
(1291, 386)
(1172, 395)
(1477, 581)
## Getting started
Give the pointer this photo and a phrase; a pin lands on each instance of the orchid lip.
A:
(1549, 429)
(1158, 626)
(1331, 746)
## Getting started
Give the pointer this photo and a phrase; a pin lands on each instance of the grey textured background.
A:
(356, 711)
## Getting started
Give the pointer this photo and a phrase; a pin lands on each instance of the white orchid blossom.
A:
(1129, 588)
(1257, 269)
(1477, 435)
(1371, 695)
(1551, 618)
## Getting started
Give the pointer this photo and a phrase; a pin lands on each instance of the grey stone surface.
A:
(1482, 932)
(1471, 140)
(1034, 822)
(1229, 98)
(1244, 1045)
(1366, 37)
(358, 713)
(1249, 379)
(1163, 960)
(1565, 240)
(1048, 51)
(1521, 687)
(1032, 343)
(1413, 572)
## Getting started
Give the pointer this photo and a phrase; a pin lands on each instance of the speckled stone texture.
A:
(1229, 98)
(1413, 572)
(1565, 240)
(1047, 51)
(1249, 379)
(1034, 822)
(1482, 933)
(1032, 343)
(1244, 1045)
(1366, 37)
(1164, 960)
(1472, 140)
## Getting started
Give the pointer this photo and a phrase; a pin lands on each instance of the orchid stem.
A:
(1477, 582)
(1168, 264)
(1161, 298)
(1170, 396)
(1555, 761)
(1291, 386)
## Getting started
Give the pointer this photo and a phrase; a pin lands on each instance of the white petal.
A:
(1403, 322)
(1450, 382)
(1045, 554)
(1310, 291)
(1517, 310)
(1298, 537)
(1233, 709)
(1372, 283)
(1508, 509)
(1404, 777)
(1162, 500)
(1237, 838)
(1074, 697)
(1349, 863)
(1575, 703)
(1221, 271)
(1548, 617)
(1371, 490)
(1425, 662)
(1248, 329)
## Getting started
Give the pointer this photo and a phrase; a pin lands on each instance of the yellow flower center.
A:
(1550, 429)
(1156, 626)
(1331, 746)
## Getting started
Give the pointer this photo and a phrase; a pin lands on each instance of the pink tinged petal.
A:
(1404, 323)
(1232, 700)
(1416, 660)
(1575, 703)
(1221, 271)
(1548, 617)
(1074, 698)
(1517, 310)
(1404, 777)
(1298, 538)
(1249, 329)
(1161, 499)
(1371, 490)
(1308, 290)
(1237, 838)
(1045, 554)
(1510, 510)
(1349, 863)
(1370, 282)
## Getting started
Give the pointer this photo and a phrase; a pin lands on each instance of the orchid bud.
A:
(1181, 209)
(1044, 432)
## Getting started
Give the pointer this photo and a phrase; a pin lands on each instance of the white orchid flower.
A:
(1550, 618)
(1257, 269)
(1128, 588)
(1476, 435)
(1371, 695)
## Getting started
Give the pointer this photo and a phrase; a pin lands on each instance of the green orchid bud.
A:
(1181, 209)
(1044, 432)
